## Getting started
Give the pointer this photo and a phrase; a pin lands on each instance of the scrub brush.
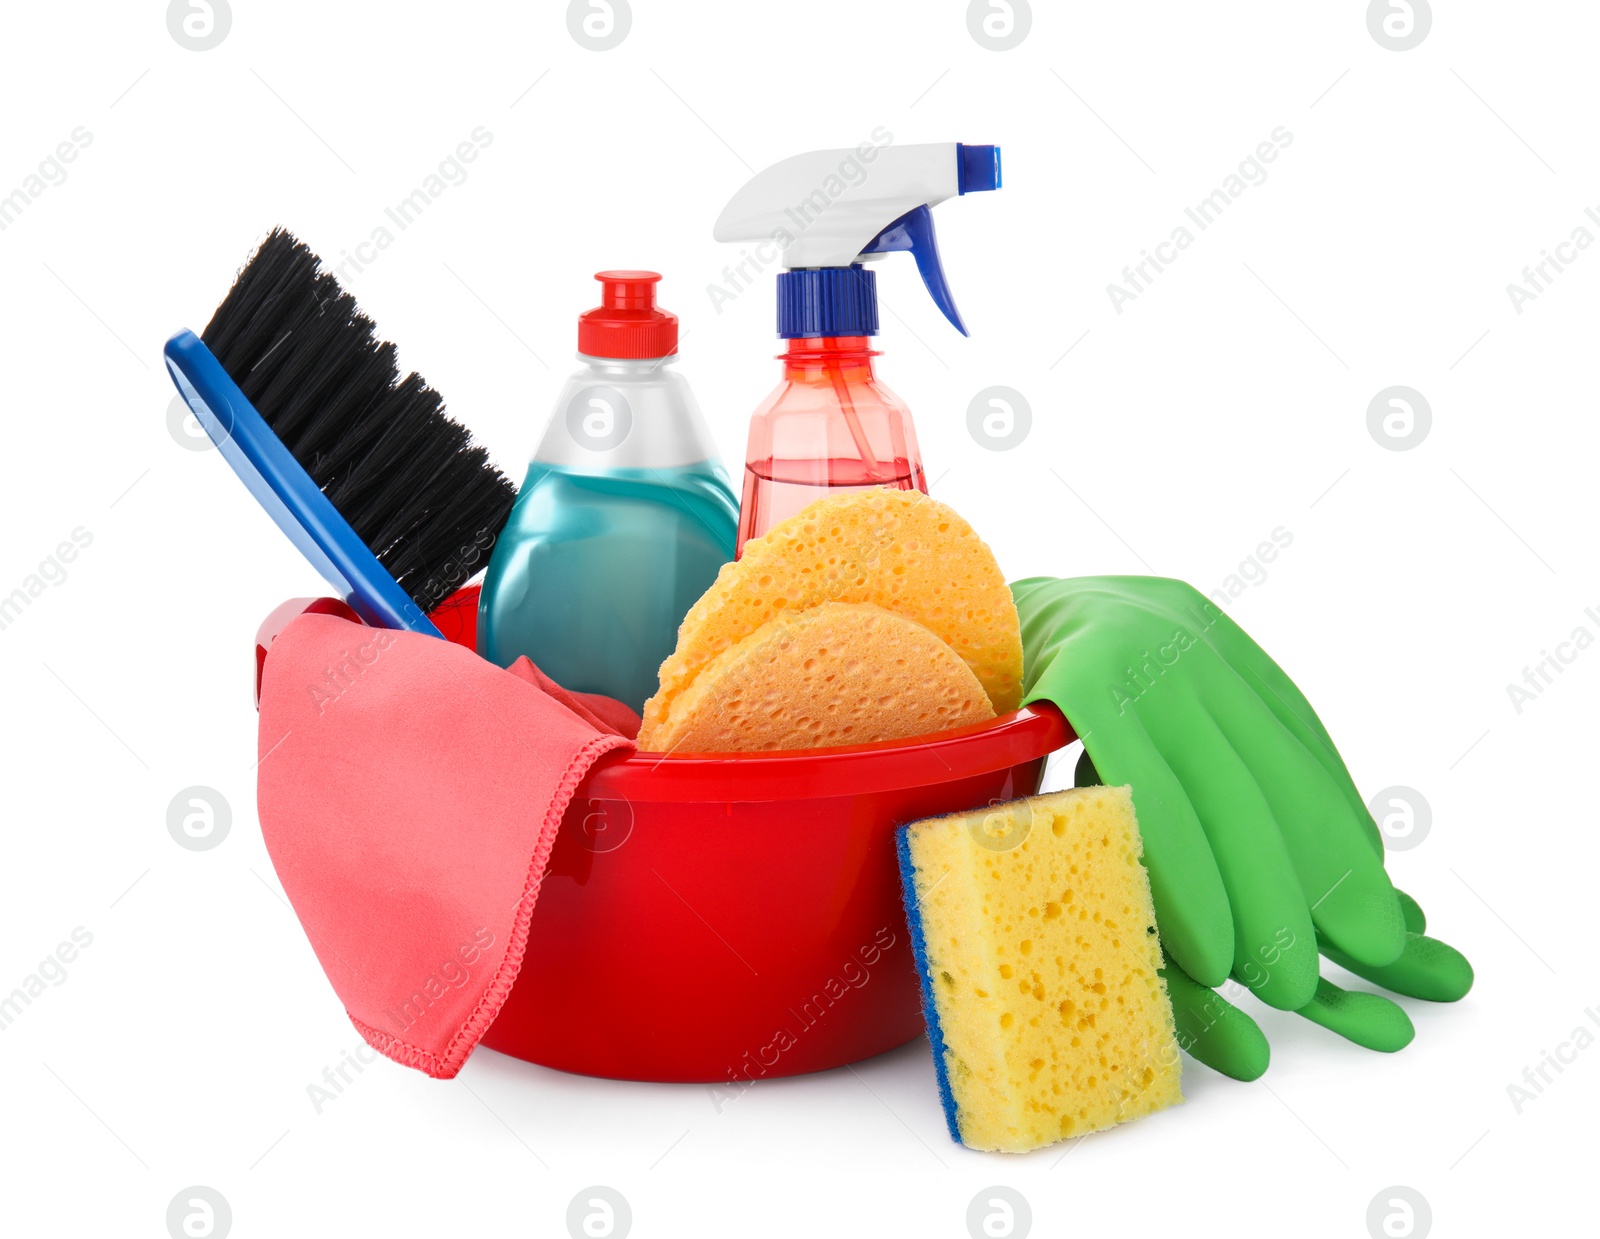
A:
(386, 495)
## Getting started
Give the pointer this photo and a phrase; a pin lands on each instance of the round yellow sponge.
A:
(898, 550)
(838, 673)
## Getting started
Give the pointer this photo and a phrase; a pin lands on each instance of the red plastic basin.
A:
(730, 918)
(734, 917)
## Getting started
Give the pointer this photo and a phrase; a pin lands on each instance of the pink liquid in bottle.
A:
(829, 426)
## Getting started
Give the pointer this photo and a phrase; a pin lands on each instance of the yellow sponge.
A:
(1035, 938)
(839, 673)
(895, 549)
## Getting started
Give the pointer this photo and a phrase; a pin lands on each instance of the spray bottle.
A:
(829, 424)
(624, 518)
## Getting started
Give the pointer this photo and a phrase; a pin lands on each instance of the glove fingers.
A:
(1369, 1020)
(1292, 709)
(1352, 902)
(1215, 1031)
(1191, 902)
(1239, 649)
(1275, 946)
(1416, 919)
(1427, 969)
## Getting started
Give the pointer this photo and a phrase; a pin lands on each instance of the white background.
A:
(1228, 400)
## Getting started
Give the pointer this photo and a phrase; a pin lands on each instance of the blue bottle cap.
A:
(827, 301)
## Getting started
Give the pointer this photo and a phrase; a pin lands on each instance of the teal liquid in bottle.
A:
(624, 518)
(599, 569)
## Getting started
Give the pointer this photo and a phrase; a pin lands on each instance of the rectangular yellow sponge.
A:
(1035, 938)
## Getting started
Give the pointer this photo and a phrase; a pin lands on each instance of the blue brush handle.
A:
(286, 490)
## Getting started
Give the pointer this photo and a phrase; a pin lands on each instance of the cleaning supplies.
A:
(830, 424)
(625, 515)
(382, 492)
(1260, 849)
(424, 805)
(899, 550)
(1035, 941)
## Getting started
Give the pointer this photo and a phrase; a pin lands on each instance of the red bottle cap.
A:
(627, 322)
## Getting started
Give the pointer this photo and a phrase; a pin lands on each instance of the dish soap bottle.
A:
(625, 517)
(830, 425)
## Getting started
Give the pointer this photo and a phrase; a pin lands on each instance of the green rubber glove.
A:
(1262, 855)
(1220, 1035)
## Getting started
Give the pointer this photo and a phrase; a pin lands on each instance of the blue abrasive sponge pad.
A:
(1035, 939)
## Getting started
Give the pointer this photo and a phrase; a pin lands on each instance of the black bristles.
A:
(408, 478)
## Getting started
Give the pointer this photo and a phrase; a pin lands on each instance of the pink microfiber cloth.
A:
(409, 794)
